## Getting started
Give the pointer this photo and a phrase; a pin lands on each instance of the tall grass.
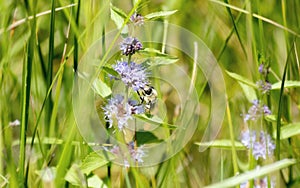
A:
(42, 43)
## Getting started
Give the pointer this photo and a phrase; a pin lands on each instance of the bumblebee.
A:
(148, 96)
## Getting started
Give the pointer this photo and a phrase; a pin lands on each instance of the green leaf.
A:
(135, 2)
(154, 53)
(155, 121)
(288, 131)
(262, 171)
(155, 61)
(222, 144)
(145, 137)
(287, 84)
(101, 88)
(155, 57)
(95, 181)
(118, 11)
(155, 15)
(248, 91)
(110, 71)
(273, 118)
(118, 20)
(240, 78)
(47, 174)
(75, 176)
(94, 161)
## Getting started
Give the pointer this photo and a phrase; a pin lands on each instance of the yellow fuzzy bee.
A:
(148, 95)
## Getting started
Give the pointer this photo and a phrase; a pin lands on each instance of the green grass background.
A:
(38, 55)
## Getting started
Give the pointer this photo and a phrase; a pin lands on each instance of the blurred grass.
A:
(236, 38)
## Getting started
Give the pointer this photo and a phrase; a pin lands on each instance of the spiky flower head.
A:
(136, 154)
(261, 146)
(117, 109)
(132, 74)
(258, 183)
(137, 19)
(263, 69)
(256, 111)
(264, 86)
(130, 45)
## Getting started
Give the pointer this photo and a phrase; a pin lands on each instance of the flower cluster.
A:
(262, 146)
(121, 111)
(132, 74)
(130, 45)
(259, 143)
(262, 69)
(258, 183)
(137, 19)
(263, 85)
(256, 111)
(136, 154)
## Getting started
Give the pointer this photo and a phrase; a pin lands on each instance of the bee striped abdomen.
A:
(148, 95)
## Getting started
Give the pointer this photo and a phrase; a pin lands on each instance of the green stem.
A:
(234, 155)
(129, 59)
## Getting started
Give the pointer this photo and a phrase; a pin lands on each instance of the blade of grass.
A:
(76, 39)
(228, 38)
(279, 112)
(26, 86)
(235, 28)
(49, 103)
(258, 17)
(252, 51)
(43, 106)
(74, 26)
(24, 20)
(58, 88)
(41, 59)
(236, 180)
(64, 161)
(261, 28)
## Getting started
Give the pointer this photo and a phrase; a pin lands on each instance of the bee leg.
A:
(140, 95)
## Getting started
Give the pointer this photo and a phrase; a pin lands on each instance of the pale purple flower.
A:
(253, 112)
(264, 86)
(121, 111)
(132, 74)
(137, 19)
(136, 154)
(261, 68)
(258, 183)
(130, 45)
(266, 110)
(248, 138)
(115, 150)
(262, 146)
(256, 111)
